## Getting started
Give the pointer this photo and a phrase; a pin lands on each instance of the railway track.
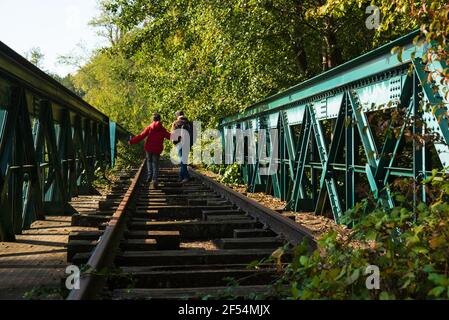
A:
(179, 241)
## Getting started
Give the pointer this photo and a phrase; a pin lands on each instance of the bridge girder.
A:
(329, 147)
(51, 143)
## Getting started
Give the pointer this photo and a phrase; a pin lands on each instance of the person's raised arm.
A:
(140, 137)
(167, 135)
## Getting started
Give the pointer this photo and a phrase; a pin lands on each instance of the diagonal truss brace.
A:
(326, 179)
(298, 192)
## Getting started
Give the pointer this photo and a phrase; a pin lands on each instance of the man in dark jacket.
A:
(182, 122)
(155, 134)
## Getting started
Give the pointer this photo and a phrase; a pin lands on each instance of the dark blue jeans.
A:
(183, 172)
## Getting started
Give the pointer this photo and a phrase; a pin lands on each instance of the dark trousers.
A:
(153, 166)
(183, 172)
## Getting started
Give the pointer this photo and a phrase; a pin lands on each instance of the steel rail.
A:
(286, 228)
(103, 255)
(93, 280)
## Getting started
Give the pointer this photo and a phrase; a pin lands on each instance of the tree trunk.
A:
(333, 52)
(301, 57)
(324, 57)
(298, 46)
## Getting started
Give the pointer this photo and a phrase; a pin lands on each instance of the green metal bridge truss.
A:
(331, 151)
(51, 142)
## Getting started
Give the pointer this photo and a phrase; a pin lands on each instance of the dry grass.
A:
(207, 245)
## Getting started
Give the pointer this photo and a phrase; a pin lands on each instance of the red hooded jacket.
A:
(155, 141)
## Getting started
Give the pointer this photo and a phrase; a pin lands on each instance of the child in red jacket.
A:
(154, 146)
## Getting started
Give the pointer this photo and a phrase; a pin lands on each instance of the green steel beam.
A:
(420, 149)
(10, 116)
(21, 71)
(391, 141)
(113, 141)
(435, 117)
(327, 173)
(274, 177)
(33, 205)
(349, 155)
(289, 143)
(298, 192)
(370, 64)
(51, 142)
(352, 96)
(327, 182)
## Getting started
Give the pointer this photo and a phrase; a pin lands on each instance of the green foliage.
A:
(409, 247)
(129, 156)
(232, 175)
(215, 58)
(68, 82)
(400, 16)
(229, 174)
(218, 169)
(106, 81)
(212, 58)
(46, 293)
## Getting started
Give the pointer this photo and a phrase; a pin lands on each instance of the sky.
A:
(57, 27)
